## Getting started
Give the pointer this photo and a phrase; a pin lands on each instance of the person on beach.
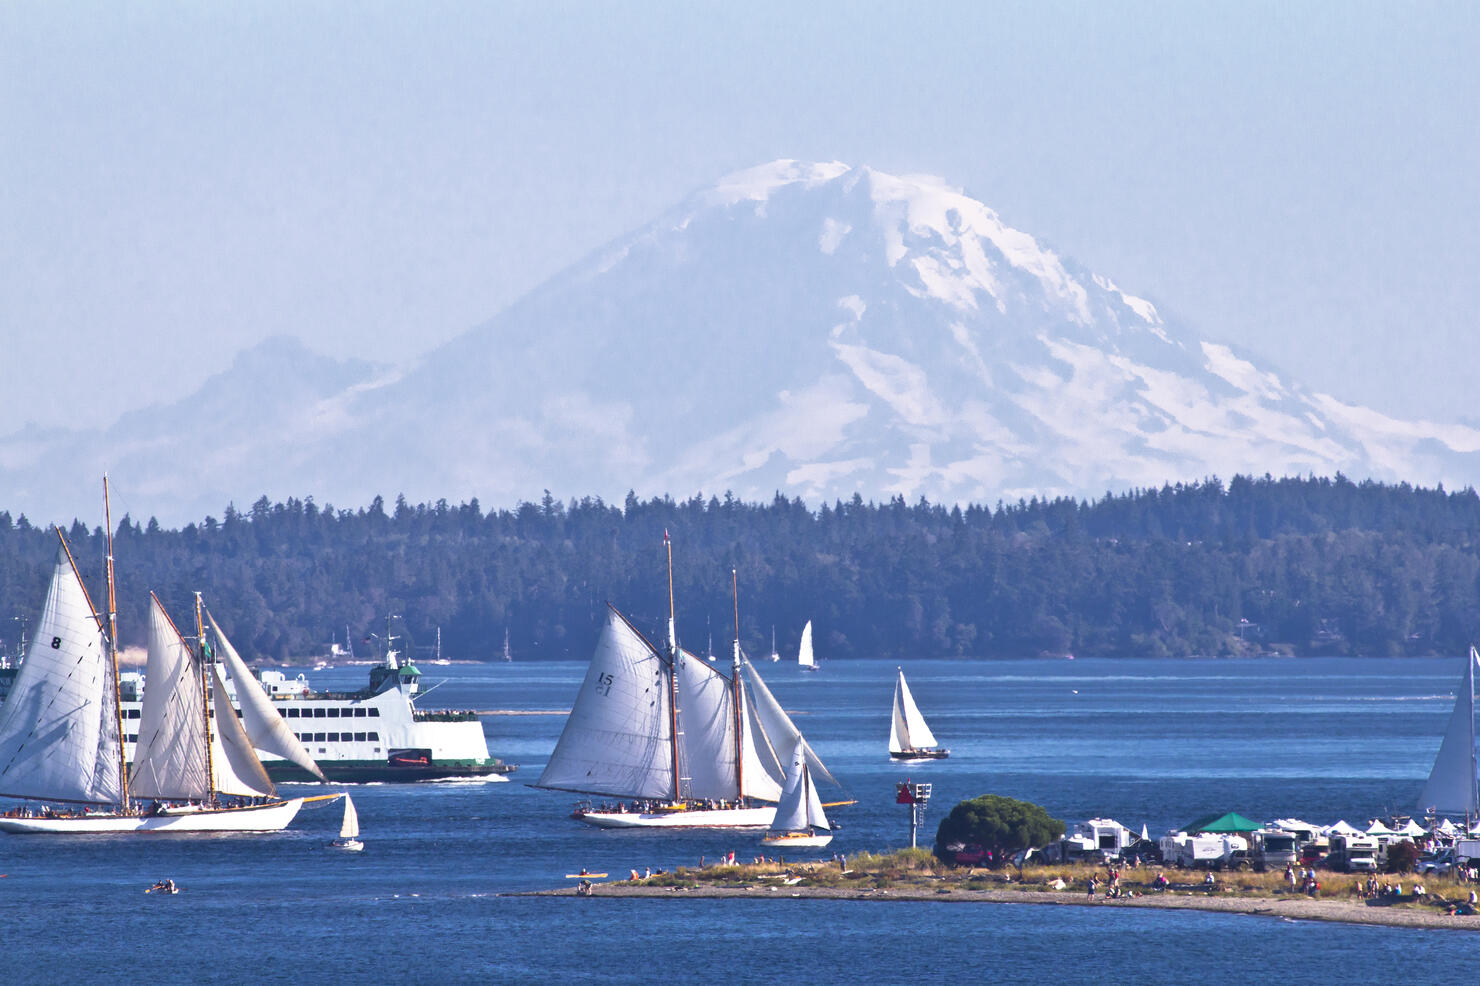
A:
(1091, 888)
(1210, 881)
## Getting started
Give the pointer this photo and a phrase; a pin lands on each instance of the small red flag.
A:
(665, 535)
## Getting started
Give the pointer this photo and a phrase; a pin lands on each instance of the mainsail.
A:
(58, 727)
(170, 758)
(800, 807)
(1451, 787)
(804, 652)
(350, 827)
(237, 770)
(265, 728)
(618, 739)
(707, 716)
(907, 730)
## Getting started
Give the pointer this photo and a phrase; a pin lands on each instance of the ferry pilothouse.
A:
(374, 734)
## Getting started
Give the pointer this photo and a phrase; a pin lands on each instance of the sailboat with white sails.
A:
(693, 747)
(805, 658)
(800, 821)
(61, 736)
(1452, 785)
(909, 737)
(349, 829)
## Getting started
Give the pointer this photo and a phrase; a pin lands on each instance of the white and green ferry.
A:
(374, 734)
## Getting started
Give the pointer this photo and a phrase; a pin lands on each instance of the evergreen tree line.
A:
(1301, 565)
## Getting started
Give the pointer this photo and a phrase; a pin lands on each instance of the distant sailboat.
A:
(805, 658)
(349, 829)
(775, 655)
(1451, 787)
(693, 747)
(800, 820)
(508, 655)
(909, 737)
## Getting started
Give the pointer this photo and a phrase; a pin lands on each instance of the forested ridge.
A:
(1305, 566)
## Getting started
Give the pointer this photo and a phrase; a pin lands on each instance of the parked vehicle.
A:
(1204, 851)
(1435, 863)
(1353, 853)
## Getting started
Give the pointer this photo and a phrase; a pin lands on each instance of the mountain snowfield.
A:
(816, 329)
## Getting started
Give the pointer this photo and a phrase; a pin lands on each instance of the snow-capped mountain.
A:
(810, 328)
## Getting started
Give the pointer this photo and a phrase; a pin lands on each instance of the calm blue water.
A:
(1154, 742)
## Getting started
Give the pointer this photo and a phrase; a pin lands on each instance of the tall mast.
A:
(113, 644)
(203, 650)
(1473, 776)
(736, 698)
(672, 671)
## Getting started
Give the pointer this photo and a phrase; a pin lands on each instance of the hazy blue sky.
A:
(181, 180)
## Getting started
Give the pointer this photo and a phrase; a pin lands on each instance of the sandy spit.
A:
(1292, 907)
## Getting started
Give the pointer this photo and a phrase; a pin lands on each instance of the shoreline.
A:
(1292, 907)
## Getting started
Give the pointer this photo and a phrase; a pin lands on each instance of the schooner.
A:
(61, 735)
(692, 746)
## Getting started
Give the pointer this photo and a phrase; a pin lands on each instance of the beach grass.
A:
(920, 870)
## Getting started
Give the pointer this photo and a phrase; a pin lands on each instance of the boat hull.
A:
(798, 840)
(696, 818)
(382, 771)
(920, 754)
(272, 817)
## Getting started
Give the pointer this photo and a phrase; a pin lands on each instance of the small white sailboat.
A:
(909, 737)
(800, 820)
(775, 655)
(349, 829)
(805, 658)
(1451, 787)
(508, 655)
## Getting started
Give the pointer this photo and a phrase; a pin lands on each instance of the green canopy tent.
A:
(1228, 823)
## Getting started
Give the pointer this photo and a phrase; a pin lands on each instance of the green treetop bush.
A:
(1002, 825)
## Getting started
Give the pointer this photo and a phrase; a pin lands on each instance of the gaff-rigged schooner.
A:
(1451, 787)
(693, 747)
(61, 731)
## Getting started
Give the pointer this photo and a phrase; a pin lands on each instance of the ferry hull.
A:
(380, 771)
(702, 818)
(255, 818)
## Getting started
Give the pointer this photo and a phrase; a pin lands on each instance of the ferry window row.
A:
(339, 737)
(335, 712)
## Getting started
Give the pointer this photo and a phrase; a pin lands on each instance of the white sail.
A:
(804, 653)
(763, 774)
(350, 827)
(234, 763)
(58, 727)
(800, 807)
(706, 718)
(618, 739)
(170, 758)
(266, 729)
(907, 731)
(777, 725)
(1451, 787)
